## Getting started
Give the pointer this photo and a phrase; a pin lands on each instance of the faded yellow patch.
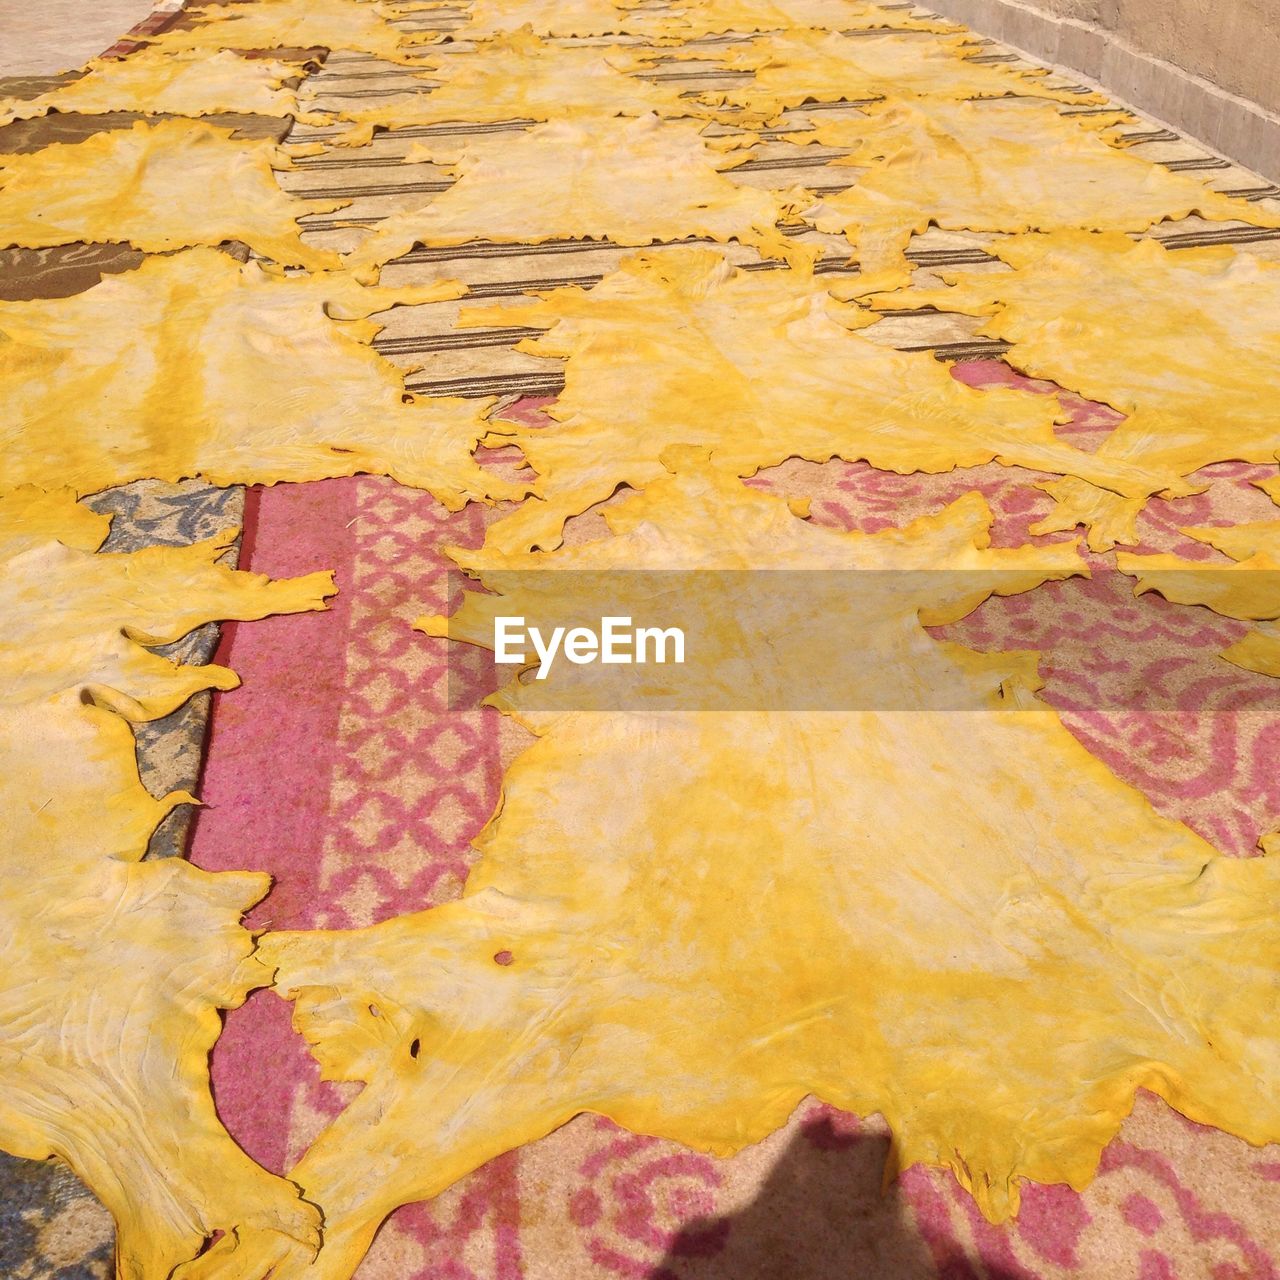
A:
(1143, 329)
(197, 364)
(957, 919)
(632, 182)
(1001, 165)
(150, 186)
(759, 366)
(112, 970)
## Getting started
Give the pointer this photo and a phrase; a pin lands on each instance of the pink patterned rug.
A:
(338, 768)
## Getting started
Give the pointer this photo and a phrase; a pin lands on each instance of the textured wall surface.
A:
(1235, 45)
(1207, 67)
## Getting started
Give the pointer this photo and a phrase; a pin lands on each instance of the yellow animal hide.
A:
(149, 186)
(687, 21)
(560, 18)
(154, 84)
(361, 27)
(1248, 589)
(522, 77)
(112, 970)
(632, 182)
(744, 16)
(687, 921)
(1143, 329)
(800, 66)
(196, 364)
(1003, 165)
(760, 366)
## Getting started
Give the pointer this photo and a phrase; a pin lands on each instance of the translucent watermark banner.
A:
(774, 640)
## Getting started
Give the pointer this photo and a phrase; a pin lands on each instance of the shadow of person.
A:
(820, 1215)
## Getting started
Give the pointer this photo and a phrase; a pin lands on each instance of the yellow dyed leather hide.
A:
(196, 364)
(113, 970)
(1143, 329)
(688, 921)
(760, 366)
(149, 186)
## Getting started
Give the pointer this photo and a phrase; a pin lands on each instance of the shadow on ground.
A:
(51, 1228)
(821, 1215)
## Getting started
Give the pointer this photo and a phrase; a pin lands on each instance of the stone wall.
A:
(1209, 68)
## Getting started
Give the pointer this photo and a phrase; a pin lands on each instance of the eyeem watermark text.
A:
(615, 642)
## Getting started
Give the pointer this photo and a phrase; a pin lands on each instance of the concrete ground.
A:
(60, 35)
